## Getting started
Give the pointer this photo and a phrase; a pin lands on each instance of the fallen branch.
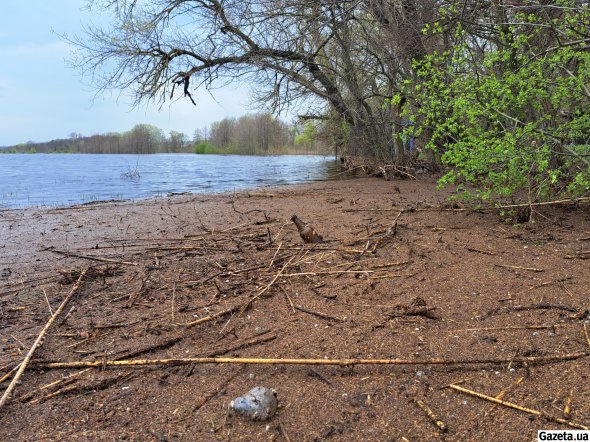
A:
(91, 258)
(547, 203)
(539, 306)
(287, 361)
(214, 392)
(518, 407)
(433, 418)
(529, 269)
(39, 340)
(82, 388)
(370, 210)
(510, 327)
(266, 288)
(567, 409)
(318, 314)
(7, 375)
(485, 252)
(229, 311)
(414, 311)
(65, 380)
(327, 272)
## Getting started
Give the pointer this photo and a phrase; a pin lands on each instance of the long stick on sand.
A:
(39, 340)
(286, 361)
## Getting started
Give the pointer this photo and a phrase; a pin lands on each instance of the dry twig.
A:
(91, 258)
(39, 340)
(529, 269)
(319, 314)
(518, 407)
(442, 427)
(288, 361)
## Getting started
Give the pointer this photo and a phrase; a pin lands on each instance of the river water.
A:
(52, 180)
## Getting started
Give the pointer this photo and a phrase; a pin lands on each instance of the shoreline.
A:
(47, 185)
(227, 275)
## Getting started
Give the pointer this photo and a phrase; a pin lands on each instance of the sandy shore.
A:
(454, 285)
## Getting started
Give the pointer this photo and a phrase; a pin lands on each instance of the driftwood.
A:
(528, 269)
(548, 203)
(91, 258)
(39, 340)
(287, 361)
(442, 427)
(519, 408)
(539, 306)
(424, 311)
(208, 318)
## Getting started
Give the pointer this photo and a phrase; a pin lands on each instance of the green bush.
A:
(203, 147)
(512, 121)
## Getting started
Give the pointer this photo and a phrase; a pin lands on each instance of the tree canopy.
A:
(496, 91)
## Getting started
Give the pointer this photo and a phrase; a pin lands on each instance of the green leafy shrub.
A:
(511, 121)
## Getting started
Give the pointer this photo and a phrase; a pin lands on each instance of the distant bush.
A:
(203, 147)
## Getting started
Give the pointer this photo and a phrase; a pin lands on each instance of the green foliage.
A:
(308, 136)
(203, 147)
(511, 120)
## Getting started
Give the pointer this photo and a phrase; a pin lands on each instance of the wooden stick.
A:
(548, 203)
(212, 317)
(287, 361)
(92, 258)
(518, 407)
(512, 327)
(329, 272)
(275, 254)
(567, 409)
(371, 210)
(530, 269)
(485, 252)
(504, 392)
(390, 264)
(288, 298)
(539, 306)
(7, 375)
(65, 379)
(586, 333)
(214, 392)
(433, 418)
(266, 288)
(40, 338)
(66, 389)
(318, 314)
(47, 300)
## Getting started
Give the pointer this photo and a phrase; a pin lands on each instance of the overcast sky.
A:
(42, 99)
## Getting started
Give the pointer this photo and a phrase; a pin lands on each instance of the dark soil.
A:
(440, 283)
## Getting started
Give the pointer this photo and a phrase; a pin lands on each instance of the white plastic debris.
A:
(258, 404)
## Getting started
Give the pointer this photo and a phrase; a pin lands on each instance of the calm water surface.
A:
(65, 179)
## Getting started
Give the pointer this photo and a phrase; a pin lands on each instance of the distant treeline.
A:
(247, 135)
